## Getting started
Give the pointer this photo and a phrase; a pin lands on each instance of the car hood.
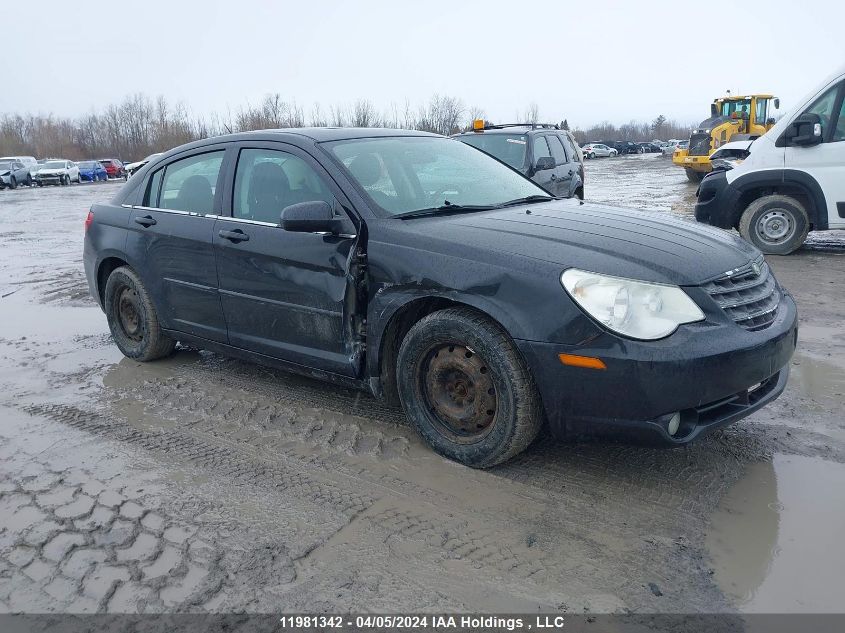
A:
(640, 245)
(51, 172)
(5, 172)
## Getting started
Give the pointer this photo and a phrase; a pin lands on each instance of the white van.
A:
(792, 182)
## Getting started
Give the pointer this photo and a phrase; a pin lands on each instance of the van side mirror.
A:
(545, 162)
(777, 103)
(314, 216)
(805, 130)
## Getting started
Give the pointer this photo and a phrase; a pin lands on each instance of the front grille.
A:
(699, 145)
(749, 296)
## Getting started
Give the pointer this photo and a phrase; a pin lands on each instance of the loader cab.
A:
(752, 112)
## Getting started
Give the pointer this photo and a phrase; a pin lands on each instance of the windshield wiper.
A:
(446, 208)
(527, 200)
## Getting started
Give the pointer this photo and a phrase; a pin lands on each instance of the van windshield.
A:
(508, 148)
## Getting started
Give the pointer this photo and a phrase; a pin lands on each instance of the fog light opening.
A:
(674, 424)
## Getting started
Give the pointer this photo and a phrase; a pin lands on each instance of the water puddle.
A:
(821, 380)
(776, 538)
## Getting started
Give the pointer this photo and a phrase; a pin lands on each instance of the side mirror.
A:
(314, 216)
(806, 130)
(544, 162)
(777, 103)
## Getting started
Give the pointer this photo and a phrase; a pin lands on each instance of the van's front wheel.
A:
(775, 224)
(466, 389)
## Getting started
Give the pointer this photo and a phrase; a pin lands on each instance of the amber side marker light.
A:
(478, 124)
(582, 361)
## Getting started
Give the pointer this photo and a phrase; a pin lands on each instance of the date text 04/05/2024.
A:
(421, 622)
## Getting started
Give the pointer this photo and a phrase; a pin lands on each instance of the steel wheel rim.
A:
(129, 314)
(775, 226)
(459, 392)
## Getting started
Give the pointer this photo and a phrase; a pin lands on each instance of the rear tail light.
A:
(89, 220)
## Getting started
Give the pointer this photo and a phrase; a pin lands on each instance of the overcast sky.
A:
(587, 61)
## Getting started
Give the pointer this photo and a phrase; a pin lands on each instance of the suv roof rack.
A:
(533, 126)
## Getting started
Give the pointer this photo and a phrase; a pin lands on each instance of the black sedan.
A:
(426, 272)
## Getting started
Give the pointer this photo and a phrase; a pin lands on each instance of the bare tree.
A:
(532, 113)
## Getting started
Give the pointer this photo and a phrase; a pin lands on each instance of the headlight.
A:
(636, 309)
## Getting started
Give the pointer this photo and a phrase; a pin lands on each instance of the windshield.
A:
(5, 164)
(403, 174)
(740, 105)
(87, 164)
(55, 164)
(508, 148)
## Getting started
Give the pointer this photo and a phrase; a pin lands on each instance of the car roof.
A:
(321, 134)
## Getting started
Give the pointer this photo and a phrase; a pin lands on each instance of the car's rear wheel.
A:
(466, 389)
(132, 318)
(29, 180)
(775, 224)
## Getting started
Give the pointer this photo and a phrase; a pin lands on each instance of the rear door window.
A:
(190, 184)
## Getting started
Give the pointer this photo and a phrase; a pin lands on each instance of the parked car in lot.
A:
(28, 161)
(598, 150)
(649, 148)
(431, 274)
(131, 168)
(13, 173)
(544, 153)
(730, 155)
(114, 168)
(57, 172)
(92, 171)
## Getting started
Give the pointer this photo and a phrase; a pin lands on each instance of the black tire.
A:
(776, 224)
(29, 180)
(694, 176)
(591, 155)
(457, 361)
(13, 184)
(132, 318)
(39, 183)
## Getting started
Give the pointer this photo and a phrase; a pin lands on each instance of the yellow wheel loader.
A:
(732, 118)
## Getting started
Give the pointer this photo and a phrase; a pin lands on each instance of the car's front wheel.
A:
(466, 389)
(775, 224)
(13, 184)
(132, 318)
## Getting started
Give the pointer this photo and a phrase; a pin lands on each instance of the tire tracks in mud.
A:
(465, 538)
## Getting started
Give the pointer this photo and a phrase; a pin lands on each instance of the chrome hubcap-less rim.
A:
(129, 314)
(775, 226)
(459, 391)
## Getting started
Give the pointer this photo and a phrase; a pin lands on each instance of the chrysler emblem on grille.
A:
(755, 267)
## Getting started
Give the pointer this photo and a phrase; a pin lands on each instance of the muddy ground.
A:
(202, 483)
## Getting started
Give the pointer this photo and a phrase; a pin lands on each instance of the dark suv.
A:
(544, 153)
(423, 270)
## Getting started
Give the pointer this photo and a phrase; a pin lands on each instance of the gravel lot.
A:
(202, 483)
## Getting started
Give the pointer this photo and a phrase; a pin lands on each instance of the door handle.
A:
(147, 220)
(234, 236)
(554, 177)
(571, 171)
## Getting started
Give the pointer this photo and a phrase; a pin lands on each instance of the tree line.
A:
(140, 125)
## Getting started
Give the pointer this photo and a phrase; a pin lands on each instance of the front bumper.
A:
(713, 374)
(717, 201)
(49, 180)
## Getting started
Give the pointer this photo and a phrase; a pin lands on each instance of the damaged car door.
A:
(289, 294)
